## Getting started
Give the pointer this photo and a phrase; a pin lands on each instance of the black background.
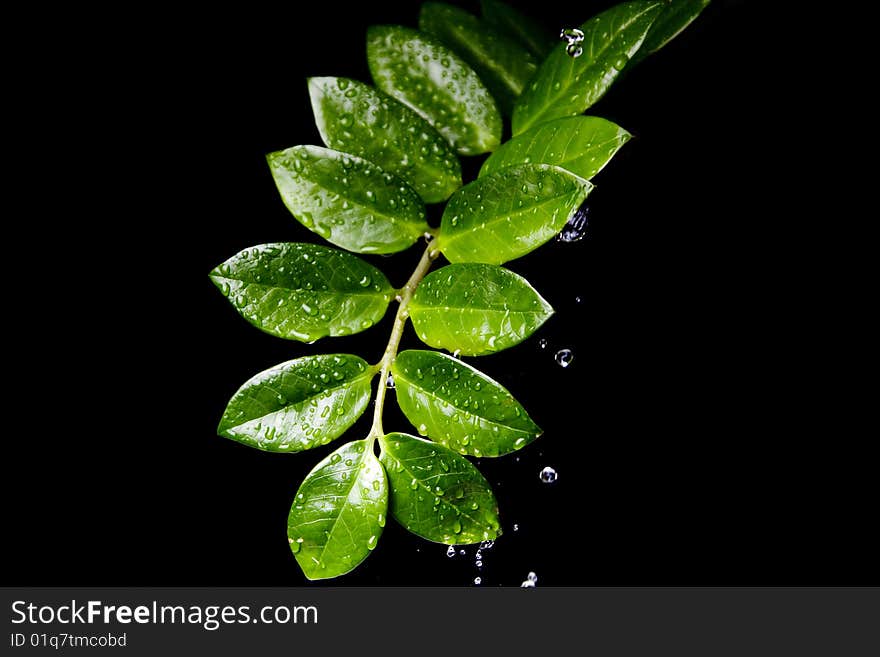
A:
(691, 443)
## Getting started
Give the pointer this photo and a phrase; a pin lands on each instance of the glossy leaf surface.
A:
(299, 404)
(339, 512)
(437, 494)
(476, 309)
(347, 200)
(460, 407)
(565, 85)
(677, 15)
(419, 71)
(582, 145)
(303, 291)
(506, 19)
(502, 64)
(506, 214)
(355, 118)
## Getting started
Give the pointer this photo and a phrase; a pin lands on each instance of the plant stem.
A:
(404, 296)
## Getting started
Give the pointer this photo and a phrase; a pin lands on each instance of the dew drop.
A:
(564, 357)
(576, 228)
(371, 542)
(548, 475)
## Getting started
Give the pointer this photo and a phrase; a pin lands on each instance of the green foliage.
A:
(391, 150)
(565, 85)
(504, 65)
(476, 309)
(421, 72)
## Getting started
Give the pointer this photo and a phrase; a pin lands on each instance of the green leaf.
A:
(299, 404)
(339, 512)
(516, 25)
(358, 119)
(502, 64)
(347, 200)
(582, 145)
(303, 291)
(437, 494)
(506, 214)
(677, 15)
(565, 85)
(476, 309)
(460, 407)
(422, 73)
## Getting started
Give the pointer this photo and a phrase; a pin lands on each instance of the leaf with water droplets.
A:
(304, 291)
(677, 15)
(299, 404)
(338, 513)
(502, 64)
(582, 145)
(566, 85)
(419, 71)
(506, 19)
(459, 406)
(354, 117)
(347, 200)
(476, 309)
(452, 504)
(507, 214)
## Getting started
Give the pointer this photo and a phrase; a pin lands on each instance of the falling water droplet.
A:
(528, 584)
(532, 577)
(479, 563)
(548, 475)
(389, 382)
(515, 527)
(450, 551)
(578, 300)
(576, 228)
(478, 580)
(542, 343)
(563, 357)
(456, 353)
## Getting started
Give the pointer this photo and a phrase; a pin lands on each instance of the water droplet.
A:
(478, 563)
(574, 50)
(578, 300)
(576, 228)
(548, 475)
(381, 520)
(542, 343)
(621, 62)
(450, 551)
(528, 584)
(389, 382)
(564, 357)
(462, 552)
(365, 281)
(515, 527)
(335, 458)
(456, 527)
(487, 545)
(533, 578)
(371, 542)
(295, 545)
(478, 580)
